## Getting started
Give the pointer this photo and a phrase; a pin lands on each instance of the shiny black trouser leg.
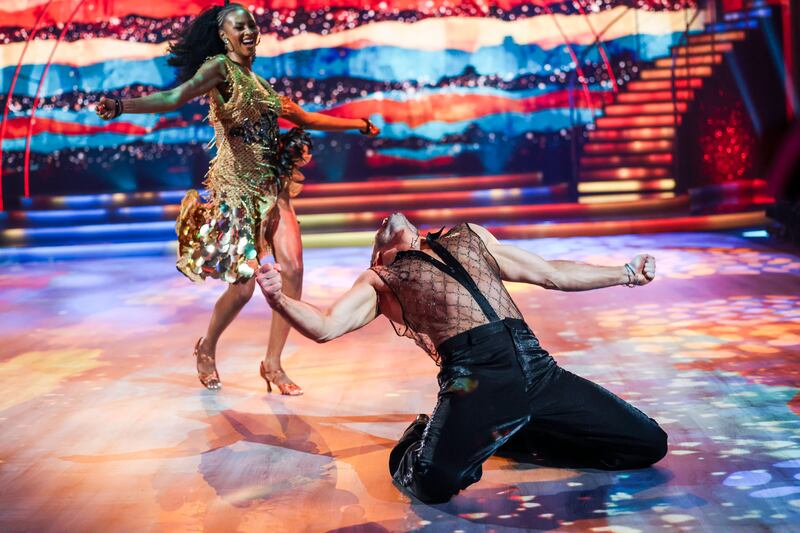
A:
(498, 388)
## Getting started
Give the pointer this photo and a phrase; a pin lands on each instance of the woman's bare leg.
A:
(225, 310)
(288, 251)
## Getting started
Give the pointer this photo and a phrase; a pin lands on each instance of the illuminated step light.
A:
(609, 198)
(632, 133)
(665, 85)
(682, 61)
(88, 201)
(338, 239)
(13, 235)
(654, 96)
(717, 37)
(625, 173)
(426, 185)
(648, 120)
(499, 194)
(682, 72)
(341, 204)
(633, 159)
(625, 186)
(630, 146)
(703, 48)
(647, 108)
(315, 190)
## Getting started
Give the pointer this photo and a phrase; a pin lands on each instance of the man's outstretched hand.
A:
(644, 266)
(269, 279)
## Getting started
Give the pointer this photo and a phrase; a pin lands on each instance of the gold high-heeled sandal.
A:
(287, 389)
(210, 380)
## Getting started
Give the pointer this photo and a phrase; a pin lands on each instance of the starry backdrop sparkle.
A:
(458, 87)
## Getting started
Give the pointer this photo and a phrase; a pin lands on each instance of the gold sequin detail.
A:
(224, 237)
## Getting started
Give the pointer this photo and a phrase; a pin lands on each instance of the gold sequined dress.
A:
(224, 235)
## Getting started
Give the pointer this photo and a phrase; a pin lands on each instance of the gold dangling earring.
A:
(228, 47)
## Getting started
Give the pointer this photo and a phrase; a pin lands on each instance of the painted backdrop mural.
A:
(458, 87)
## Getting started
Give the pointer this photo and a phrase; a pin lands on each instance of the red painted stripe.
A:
(18, 127)
(380, 160)
(459, 107)
(101, 11)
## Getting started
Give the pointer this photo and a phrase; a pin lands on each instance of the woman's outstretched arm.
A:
(318, 121)
(208, 76)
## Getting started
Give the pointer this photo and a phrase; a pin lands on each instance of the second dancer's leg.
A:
(481, 402)
(577, 423)
(288, 250)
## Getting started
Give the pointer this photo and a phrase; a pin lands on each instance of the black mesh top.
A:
(436, 306)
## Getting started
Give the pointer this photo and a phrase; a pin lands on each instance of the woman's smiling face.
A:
(241, 30)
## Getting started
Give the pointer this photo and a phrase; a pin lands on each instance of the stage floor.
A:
(106, 428)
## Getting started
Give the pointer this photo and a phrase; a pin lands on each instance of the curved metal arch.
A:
(7, 103)
(32, 119)
(586, 94)
(600, 47)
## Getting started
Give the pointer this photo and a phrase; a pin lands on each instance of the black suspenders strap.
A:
(460, 274)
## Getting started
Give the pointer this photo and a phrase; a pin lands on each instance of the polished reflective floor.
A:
(106, 428)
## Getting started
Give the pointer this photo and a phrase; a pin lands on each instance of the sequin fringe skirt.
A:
(219, 242)
(226, 243)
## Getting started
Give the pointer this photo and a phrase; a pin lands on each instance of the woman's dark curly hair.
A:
(199, 41)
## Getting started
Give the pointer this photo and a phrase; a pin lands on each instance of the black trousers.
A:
(500, 389)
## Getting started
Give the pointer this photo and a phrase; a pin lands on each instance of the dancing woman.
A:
(250, 182)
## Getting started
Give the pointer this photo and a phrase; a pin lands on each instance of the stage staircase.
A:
(630, 153)
(515, 206)
(330, 214)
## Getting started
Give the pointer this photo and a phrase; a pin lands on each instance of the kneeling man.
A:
(498, 386)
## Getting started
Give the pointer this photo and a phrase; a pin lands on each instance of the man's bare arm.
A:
(520, 265)
(354, 309)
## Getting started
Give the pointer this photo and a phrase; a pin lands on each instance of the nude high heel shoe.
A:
(287, 389)
(210, 380)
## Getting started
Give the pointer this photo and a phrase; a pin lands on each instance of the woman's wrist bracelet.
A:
(118, 107)
(368, 127)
